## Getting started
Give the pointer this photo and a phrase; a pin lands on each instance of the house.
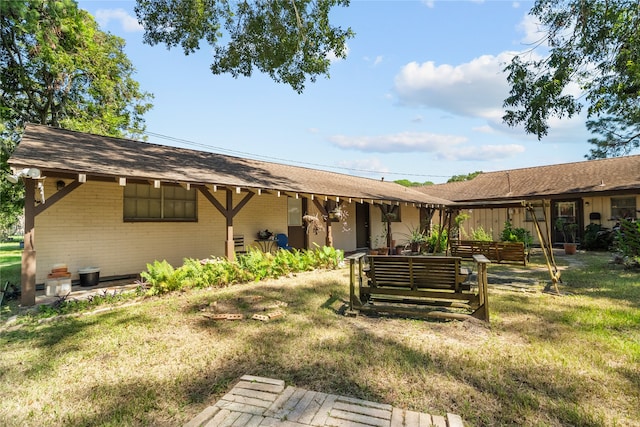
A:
(118, 204)
(590, 192)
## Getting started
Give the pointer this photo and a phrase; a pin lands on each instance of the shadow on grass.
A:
(358, 362)
(315, 348)
(59, 338)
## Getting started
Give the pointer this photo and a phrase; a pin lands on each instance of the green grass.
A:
(10, 259)
(10, 265)
(544, 360)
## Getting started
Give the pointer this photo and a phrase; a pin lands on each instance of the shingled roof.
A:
(614, 175)
(56, 150)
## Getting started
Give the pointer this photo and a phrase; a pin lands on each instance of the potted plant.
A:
(379, 245)
(415, 238)
(569, 231)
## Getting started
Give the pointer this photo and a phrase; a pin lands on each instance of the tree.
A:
(592, 43)
(468, 177)
(408, 183)
(58, 68)
(291, 40)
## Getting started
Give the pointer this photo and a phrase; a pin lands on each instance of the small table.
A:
(266, 245)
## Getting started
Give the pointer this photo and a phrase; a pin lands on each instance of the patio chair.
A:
(238, 244)
(283, 242)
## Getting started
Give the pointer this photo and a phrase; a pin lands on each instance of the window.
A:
(623, 207)
(392, 213)
(142, 202)
(539, 212)
(566, 210)
(294, 212)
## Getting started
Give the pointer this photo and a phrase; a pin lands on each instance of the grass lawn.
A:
(10, 258)
(10, 263)
(544, 360)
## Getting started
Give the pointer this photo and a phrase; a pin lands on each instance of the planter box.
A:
(89, 276)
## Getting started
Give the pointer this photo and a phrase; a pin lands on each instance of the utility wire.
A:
(259, 156)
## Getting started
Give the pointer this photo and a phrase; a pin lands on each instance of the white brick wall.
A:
(86, 229)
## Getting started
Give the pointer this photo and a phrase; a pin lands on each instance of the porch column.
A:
(28, 276)
(229, 249)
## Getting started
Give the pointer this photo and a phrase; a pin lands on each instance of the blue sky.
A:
(419, 96)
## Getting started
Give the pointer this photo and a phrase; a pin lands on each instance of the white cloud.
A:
(429, 3)
(405, 142)
(441, 147)
(473, 89)
(372, 164)
(532, 29)
(482, 153)
(334, 58)
(129, 23)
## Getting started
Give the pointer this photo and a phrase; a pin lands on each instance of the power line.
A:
(259, 156)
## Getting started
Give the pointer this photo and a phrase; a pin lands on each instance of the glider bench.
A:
(500, 252)
(417, 286)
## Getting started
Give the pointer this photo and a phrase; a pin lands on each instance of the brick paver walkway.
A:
(257, 401)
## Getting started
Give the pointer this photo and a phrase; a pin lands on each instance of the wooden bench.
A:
(500, 252)
(422, 286)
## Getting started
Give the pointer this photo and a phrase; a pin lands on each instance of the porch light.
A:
(156, 183)
(33, 173)
(82, 177)
(122, 181)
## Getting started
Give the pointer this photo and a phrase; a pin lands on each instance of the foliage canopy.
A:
(290, 40)
(57, 68)
(596, 45)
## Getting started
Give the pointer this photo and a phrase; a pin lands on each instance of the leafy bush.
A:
(597, 238)
(252, 266)
(481, 235)
(437, 233)
(162, 277)
(627, 240)
(510, 234)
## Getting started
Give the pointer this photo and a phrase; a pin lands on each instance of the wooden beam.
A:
(28, 276)
(54, 198)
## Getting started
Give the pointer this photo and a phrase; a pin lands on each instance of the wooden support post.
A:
(482, 312)
(547, 248)
(28, 276)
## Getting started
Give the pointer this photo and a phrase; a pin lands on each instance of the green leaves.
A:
(592, 44)
(59, 69)
(252, 266)
(290, 40)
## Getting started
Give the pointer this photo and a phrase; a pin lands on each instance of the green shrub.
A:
(510, 234)
(627, 239)
(596, 238)
(437, 233)
(162, 277)
(327, 257)
(481, 235)
(252, 266)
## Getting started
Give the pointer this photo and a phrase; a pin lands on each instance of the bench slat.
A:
(409, 281)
